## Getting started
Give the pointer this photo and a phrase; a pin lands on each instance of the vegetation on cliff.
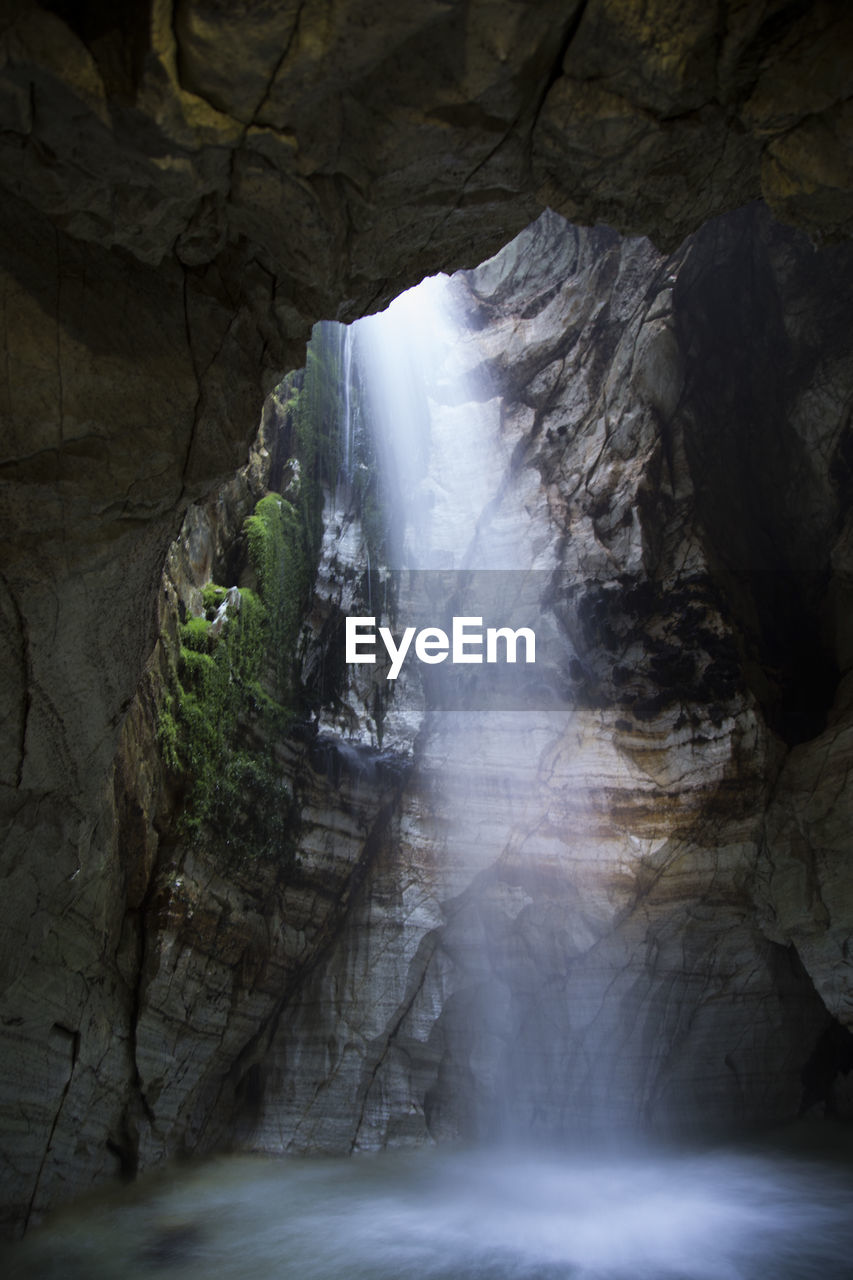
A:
(233, 689)
(217, 727)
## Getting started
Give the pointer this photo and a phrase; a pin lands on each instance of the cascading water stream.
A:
(451, 495)
(435, 435)
(348, 424)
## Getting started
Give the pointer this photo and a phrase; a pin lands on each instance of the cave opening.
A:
(517, 968)
(509, 945)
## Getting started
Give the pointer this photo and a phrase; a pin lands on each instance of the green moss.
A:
(212, 597)
(212, 715)
(279, 550)
(232, 697)
(248, 640)
(195, 634)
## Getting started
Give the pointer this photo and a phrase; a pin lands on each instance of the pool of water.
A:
(716, 1214)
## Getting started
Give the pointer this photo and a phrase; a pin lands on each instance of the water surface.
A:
(717, 1214)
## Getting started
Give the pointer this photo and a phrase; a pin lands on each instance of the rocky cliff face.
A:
(585, 914)
(591, 912)
(150, 295)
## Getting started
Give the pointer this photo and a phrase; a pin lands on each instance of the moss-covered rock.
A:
(217, 726)
(233, 684)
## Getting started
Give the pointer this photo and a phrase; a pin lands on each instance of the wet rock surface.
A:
(575, 916)
(570, 930)
(572, 916)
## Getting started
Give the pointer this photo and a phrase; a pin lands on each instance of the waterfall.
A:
(348, 424)
(513, 963)
(436, 433)
(463, 544)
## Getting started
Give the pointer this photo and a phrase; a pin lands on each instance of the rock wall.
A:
(585, 916)
(185, 191)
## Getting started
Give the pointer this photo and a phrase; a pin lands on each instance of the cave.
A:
(532, 316)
